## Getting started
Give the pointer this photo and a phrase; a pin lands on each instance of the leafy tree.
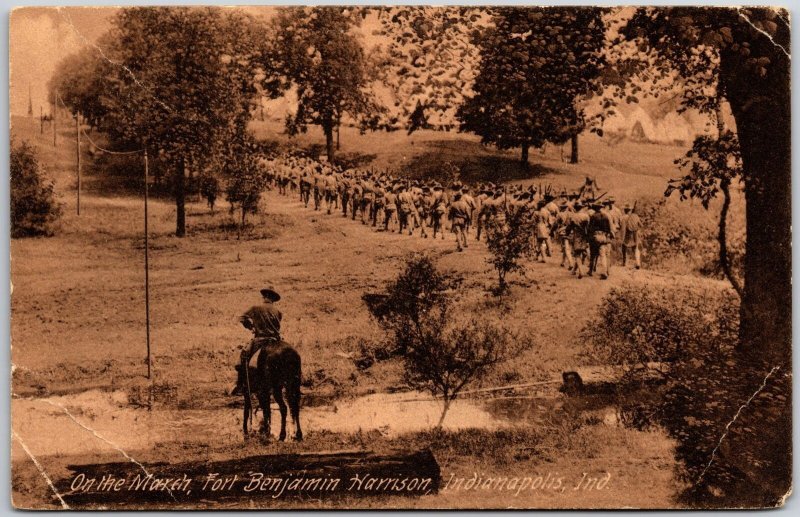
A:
(33, 205)
(178, 80)
(318, 53)
(441, 356)
(741, 54)
(508, 239)
(247, 178)
(80, 82)
(537, 65)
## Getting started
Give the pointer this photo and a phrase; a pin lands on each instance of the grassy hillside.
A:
(78, 306)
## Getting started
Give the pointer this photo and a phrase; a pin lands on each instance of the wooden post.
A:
(78, 151)
(41, 120)
(146, 270)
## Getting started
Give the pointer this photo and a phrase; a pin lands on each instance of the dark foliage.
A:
(33, 205)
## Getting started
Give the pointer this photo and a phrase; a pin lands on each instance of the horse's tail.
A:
(248, 403)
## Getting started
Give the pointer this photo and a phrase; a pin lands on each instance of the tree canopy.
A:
(536, 65)
(318, 54)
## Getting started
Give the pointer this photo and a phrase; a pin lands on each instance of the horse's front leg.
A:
(263, 400)
(277, 392)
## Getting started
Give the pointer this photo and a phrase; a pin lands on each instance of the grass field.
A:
(78, 300)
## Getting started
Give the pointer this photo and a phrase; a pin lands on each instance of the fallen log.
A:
(266, 477)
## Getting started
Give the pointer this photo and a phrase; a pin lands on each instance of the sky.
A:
(39, 37)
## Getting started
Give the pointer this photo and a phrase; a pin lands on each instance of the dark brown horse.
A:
(277, 369)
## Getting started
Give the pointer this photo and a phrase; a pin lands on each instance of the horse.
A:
(277, 368)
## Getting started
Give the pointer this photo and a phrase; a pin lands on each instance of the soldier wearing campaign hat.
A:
(264, 321)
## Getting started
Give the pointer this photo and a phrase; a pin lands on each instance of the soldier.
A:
(405, 209)
(379, 203)
(541, 218)
(306, 184)
(264, 321)
(560, 230)
(458, 216)
(438, 210)
(390, 206)
(629, 229)
(486, 212)
(471, 203)
(601, 235)
(319, 181)
(367, 198)
(424, 203)
(345, 189)
(578, 236)
(589, 189)
(329, 186)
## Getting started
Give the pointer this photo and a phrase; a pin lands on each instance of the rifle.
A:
(600, 196)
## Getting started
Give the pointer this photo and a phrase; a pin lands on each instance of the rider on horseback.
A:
(265, 322)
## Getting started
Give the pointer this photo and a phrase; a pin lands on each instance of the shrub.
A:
(442, 356)
(637, 326)
(722, 406)
(674, 239)
(418, 293)
(509, 239)
(33, 205)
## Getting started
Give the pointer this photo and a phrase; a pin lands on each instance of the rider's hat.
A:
(270, 294)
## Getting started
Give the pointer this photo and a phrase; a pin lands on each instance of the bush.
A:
(637, 326)
(726, 409)
(33, 205)
(442, 355)
(509, 238)
(418, 293)
(672, 239)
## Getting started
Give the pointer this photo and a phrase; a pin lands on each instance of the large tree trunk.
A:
(180, 198)
(524, 155)
(761, 107)
(574, 157)
(762, 113)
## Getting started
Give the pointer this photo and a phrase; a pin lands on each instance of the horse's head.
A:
(241, 382)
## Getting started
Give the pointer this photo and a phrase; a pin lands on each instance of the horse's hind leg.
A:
(278, 393)
(293, 394)
(263, 401)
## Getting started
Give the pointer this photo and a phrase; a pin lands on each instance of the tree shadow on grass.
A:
(476, 163)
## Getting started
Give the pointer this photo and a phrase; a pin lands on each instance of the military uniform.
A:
(629, 229)
(264, 321)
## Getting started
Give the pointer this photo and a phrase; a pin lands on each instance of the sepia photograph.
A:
(400, 257)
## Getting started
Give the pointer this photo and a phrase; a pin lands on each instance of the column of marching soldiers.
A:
(585, 225)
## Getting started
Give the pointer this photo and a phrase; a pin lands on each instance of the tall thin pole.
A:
(146, 269)
(78, 150)
(55, 110)
(41, 120)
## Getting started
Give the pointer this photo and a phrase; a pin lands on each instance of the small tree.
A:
(247, 180)
(33, 204)
(508, 239)
(417, 295)
(445, 359)
(712, 165)
(441, 356)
